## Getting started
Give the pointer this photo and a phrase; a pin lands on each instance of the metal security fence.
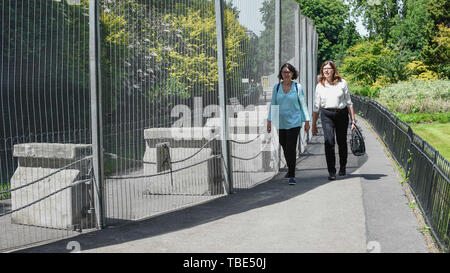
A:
(427, 171)
(114, 110)
(45, 159)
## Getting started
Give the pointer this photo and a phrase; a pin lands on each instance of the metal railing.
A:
(426, 170)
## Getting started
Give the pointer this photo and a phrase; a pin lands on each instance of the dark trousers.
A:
(288, 141)
(335, 123)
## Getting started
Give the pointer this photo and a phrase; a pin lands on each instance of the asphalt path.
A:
(365, 211)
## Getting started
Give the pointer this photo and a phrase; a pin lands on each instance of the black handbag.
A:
(357, 144)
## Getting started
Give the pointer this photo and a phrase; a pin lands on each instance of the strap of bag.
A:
(357, 130)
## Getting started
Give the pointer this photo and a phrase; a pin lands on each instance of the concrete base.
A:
(64, 210)
(67, 209)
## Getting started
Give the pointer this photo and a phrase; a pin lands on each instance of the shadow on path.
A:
(309, 176)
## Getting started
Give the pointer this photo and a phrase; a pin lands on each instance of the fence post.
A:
(277, 56)
(96, 112)
(227, 166)
(277, 35)
(408, 164)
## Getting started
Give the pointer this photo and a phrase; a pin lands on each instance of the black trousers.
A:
(335, 123)
(288, 141)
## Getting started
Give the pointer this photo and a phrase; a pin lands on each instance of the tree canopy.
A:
(335, 29)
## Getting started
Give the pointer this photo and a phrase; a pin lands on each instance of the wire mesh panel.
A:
(112, 109)
(44, 121)
(159, 84)
(250, 75)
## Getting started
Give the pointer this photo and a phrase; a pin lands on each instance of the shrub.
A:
(366, 91)
(419, 70)
(417, 89)
(373, 64)
(417, 96)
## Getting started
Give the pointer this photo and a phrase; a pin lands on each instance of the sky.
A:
(361, 29)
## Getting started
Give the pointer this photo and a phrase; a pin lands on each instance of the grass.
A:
(437, 134)
(441, 117)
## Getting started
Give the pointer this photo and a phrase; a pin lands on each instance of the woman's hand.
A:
(314, 130)
(269, 126)
(353, 125)
(306, 126)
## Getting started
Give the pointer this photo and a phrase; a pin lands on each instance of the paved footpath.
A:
(365, 211)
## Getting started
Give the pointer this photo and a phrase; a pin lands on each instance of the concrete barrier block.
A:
(239, 125)
(195, 137)
(181, 133)
(64, 210)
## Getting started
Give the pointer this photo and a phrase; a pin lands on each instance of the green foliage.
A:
(34, 56)
(437, 52)
(413, 101)
(438, 10)
(410, 33)
(197, 66)
(162, 52)
(443, 117)
(416, 31)
(417, 89)
(5, 187)
(366, 62)
(379, 16)
(335, 29)
(421, 101)
(367, 91)
(419, 70)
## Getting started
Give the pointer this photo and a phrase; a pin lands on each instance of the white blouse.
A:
(332, 96)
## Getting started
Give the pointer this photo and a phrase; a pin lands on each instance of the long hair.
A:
(335, 77)
(291, 68)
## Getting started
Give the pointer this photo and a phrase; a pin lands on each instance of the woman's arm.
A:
(273, 101)
(349, 105)
(315, 116)
(352, 116)
(316, 109)
(302, 100)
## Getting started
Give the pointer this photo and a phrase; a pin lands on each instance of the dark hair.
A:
(335, 76)
(291, 68)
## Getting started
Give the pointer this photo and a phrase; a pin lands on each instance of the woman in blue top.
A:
(291, 113)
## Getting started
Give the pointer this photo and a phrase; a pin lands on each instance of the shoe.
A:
(332, 176)
(342, 172)
(287, 175)
(292, 181)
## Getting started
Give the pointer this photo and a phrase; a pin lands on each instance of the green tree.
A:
(411, 31)
(439, 11)
(369, 62)
(436, 52)
(379, 16)
(335, 29)
(266, 44)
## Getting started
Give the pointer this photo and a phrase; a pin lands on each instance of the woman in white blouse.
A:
(333, 100)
